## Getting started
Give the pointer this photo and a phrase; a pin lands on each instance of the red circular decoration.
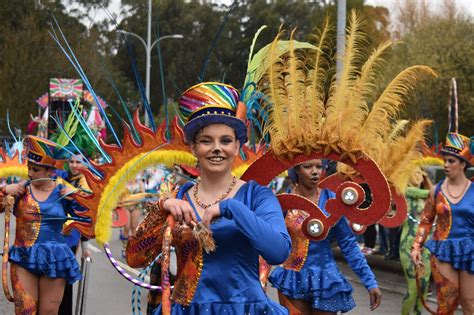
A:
(269, 166)
(400, 211)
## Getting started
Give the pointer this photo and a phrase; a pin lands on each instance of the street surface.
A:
(110, 293)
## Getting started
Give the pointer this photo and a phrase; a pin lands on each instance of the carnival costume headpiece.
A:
(349, 122)
(459, 146)
(211, 103)
(44, 152)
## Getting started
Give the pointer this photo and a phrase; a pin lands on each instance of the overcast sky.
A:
(464, 5)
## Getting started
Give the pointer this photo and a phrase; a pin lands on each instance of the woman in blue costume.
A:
(310, 282)
(41, 261)
(452, 245)
(245, 218)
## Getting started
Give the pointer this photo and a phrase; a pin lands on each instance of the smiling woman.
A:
(245, 218)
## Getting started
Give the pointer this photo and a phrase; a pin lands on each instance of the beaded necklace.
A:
(222, 197)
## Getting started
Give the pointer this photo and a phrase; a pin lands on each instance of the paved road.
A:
(109, 293)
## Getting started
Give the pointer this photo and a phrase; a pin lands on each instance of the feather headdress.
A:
(351, 117)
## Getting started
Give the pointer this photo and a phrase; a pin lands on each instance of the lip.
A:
(216, 159)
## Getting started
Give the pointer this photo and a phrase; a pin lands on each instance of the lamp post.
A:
(148, 47)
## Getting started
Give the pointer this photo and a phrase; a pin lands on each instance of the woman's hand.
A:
(415, 255)
(15, 189)
(375, 298)
(180, 210)
(210, 214)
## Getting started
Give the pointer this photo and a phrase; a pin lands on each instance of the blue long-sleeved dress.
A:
(311, 272)
(226, 280)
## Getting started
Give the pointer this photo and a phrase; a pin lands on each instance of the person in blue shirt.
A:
(310, 282)
(245, 218)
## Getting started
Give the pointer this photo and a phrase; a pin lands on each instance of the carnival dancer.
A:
(134, 187)
(310, 282)
(41, 261)
(245, 218)
(416, 198)
(451, 201)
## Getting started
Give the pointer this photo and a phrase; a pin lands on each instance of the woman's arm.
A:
(426, 221)
(146, 243)
(356, 260)
(264, 226)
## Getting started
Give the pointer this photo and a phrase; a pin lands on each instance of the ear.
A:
(192, 148)
(237, 143)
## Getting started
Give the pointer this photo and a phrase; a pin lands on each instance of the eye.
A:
(227, 140)
(204, 141)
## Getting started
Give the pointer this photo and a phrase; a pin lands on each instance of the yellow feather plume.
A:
(398, 163)
(353, 119)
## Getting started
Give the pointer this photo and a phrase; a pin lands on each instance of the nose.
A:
(216, 147)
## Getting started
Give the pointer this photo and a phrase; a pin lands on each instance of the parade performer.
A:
(310, 282)
(451, 246)
(416, 198)
(245, 218)
(134, 187)
(41, 261)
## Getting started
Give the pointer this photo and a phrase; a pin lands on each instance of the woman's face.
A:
(453, 166)
(75, 165)
(215, 147)
(36, 172)
(309, 173)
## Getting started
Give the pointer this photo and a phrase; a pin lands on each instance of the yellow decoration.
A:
(113, 190)
(18, 171)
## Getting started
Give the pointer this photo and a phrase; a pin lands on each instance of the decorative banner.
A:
(87, 97)
(63, 89)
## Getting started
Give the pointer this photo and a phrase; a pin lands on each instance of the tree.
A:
(29, 56)
(445, 43)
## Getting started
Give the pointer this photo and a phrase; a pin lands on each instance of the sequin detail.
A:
(28, 221)
(300, 244)
(190, 263)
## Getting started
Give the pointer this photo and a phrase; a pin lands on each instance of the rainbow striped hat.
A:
(211, 103)
(44, 152)
(459, 146)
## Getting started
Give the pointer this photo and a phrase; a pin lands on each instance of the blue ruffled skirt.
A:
(326, 290)
(53, 260)
(458, 252)
(265, 307)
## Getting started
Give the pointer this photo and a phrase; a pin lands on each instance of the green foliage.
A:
(447, 46)
(29, 57)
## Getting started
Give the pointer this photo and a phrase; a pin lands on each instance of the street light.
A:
(148, 49)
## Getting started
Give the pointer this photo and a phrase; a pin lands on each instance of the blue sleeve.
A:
(61, 174)
(354, 257)
(263, 225)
